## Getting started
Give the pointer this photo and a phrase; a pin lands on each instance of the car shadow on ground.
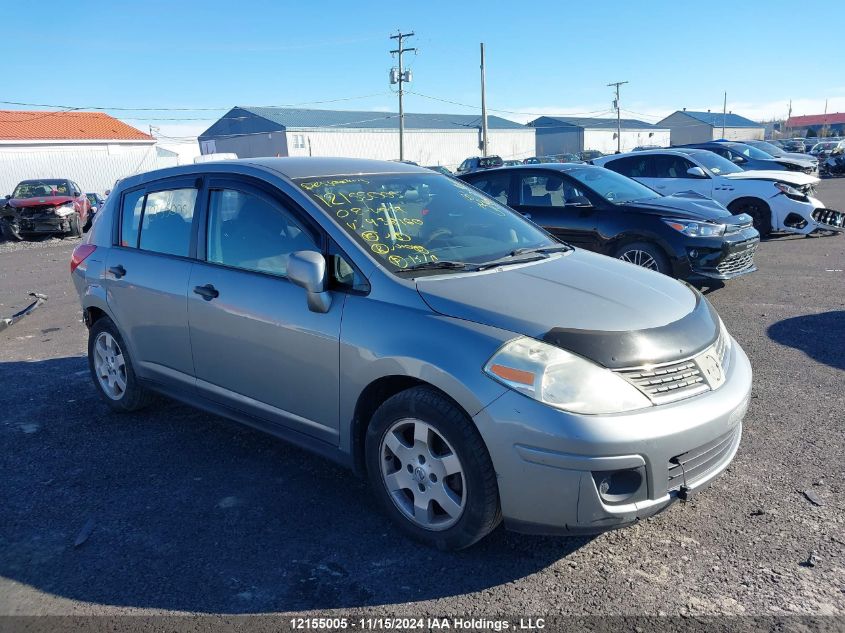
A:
(172, 508)
(819, 336)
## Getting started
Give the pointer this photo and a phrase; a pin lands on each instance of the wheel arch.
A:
(371, 398)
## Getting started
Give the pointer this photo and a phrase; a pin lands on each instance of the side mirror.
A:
(8, 196)
(738, 160)
(696, 172)
(579, 201)
(308, 270)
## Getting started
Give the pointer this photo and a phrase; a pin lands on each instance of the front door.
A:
(668, 174)
(555, 203)
(256, 345)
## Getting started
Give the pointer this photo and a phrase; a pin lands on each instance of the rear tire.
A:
(646, 255)
(421, 450)
(111, 369)
(759, 211)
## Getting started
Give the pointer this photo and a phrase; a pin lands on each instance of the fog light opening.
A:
(620, 486)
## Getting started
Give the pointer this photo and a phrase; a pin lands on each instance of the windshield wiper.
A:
(551, 248)
(443, 264)
(515, 256)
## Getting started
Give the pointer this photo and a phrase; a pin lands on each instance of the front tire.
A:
(759, 211)
(430, 469)
(111, 369)
(75, 225)
(646, 255)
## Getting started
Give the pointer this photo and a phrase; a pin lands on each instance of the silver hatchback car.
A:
(414, 329)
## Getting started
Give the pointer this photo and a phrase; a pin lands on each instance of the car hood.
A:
(685, 204)
(790, 177)
(45, 201)
(579, 289)
(612, 312)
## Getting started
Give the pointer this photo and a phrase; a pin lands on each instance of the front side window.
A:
(167, 219)
(671, 166)
(632, 166)
(494, 185)
(541, 191)
(609, 185)
(716, 164)
(249, 232)
(408, 219)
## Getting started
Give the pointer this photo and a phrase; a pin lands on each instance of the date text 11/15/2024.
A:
(423, 624)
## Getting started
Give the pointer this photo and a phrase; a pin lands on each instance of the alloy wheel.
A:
(110, 366)
(422, 474)
(639, 258)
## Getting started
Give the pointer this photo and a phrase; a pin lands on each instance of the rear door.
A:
(257, 347)
(147, 274)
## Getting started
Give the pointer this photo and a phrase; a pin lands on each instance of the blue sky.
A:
(542, 57)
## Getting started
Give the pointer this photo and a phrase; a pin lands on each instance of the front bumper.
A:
(38, 223)
(729, 257)
(550, 464)
(797, 216)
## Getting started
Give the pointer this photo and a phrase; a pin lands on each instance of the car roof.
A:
(542, 166)
(688, 151)
(290, 168)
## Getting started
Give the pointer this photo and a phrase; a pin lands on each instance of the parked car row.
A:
(470, 365)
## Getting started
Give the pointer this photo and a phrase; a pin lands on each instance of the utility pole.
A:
(824, 121)
(724, 113)
(483, 108)
(400, 77)
(618, 116)
(789, 116)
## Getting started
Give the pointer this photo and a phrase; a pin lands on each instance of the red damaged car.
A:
(47, 205)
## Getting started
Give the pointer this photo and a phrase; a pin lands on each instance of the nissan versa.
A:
(413, 328)
(684, 235)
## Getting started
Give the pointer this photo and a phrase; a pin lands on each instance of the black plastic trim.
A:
(617, 350)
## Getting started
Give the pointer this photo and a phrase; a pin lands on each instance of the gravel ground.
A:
(183, 512)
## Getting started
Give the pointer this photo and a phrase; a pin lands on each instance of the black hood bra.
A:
(683, 338)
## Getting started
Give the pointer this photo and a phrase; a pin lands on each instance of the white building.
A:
(90, 148)
(569, 135)
(690, 126)
(430, 139)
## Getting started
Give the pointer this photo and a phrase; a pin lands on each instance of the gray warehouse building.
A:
(430, 139)
(689, 126)
(564, 135)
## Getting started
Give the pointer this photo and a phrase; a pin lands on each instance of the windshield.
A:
(752, 152)
(716, 164)
(411, 219)
(611, 186)
(774, 150)
(825, 146)
(41, 189)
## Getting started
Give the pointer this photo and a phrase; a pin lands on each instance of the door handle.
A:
(118, 271)
(660, 186)
(207, 292)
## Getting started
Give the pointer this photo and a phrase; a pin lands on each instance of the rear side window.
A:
(133, 205)
(166, 224)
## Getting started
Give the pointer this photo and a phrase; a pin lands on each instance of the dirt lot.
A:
(186, 512)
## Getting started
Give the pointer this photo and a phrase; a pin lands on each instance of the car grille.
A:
(688, 468)
(669, 382)
(737, 262)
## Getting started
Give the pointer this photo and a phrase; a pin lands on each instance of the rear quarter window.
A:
(130, 218)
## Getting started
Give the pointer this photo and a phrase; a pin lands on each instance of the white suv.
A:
(776, 200)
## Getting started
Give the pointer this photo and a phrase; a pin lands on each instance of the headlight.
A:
(562, 379)
(792, 192)
(64, 210)
(696, 229)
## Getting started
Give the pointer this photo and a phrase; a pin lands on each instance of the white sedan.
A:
(776, 200)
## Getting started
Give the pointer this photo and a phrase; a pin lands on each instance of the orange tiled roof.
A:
(24, 125)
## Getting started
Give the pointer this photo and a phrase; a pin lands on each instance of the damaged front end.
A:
(35, 219)
(830, 220)
(17, 316)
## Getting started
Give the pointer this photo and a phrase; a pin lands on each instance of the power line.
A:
(475, 107)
